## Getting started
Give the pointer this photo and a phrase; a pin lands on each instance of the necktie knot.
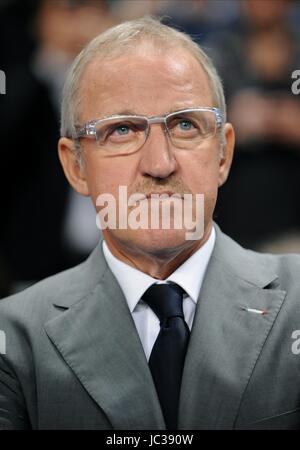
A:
(165, 300)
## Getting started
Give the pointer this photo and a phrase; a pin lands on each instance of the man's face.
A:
(150, 83)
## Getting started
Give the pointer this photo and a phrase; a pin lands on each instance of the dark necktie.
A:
(167, 357)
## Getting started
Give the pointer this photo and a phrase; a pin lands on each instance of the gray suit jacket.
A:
(74, 359)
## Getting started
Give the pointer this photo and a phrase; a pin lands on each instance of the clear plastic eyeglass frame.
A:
(89, 129)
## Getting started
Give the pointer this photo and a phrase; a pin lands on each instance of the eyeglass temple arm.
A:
(219, 117)
(87, 130)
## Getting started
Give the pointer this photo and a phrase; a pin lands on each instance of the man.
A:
(155, 330)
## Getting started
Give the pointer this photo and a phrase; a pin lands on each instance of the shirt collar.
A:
(189, 275)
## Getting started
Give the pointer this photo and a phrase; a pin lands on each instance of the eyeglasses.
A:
(125, 134)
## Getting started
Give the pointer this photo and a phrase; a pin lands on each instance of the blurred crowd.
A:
(45, 227)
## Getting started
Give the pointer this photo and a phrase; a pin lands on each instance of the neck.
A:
(158, 263)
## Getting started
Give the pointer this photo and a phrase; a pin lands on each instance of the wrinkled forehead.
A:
(146, 81)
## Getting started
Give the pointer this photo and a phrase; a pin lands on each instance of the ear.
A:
(73, 168)
(227, 153)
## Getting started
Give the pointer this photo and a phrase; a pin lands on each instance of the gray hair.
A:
(125, 37)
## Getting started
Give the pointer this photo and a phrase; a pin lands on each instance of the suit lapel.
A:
(226, 339)
(97, 338)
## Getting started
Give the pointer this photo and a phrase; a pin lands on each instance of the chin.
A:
(155, 242)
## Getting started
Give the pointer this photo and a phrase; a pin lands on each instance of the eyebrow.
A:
(129, 112)
(124, 112)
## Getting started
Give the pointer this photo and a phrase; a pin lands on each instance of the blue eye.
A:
(122, 130)
(185, 125)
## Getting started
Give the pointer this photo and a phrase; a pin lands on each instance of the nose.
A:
(157, 158)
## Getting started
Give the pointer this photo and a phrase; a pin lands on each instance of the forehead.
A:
(147, 82)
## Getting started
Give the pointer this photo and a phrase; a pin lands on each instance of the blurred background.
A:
(255, 44)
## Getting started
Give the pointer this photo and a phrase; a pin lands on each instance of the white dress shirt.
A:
(134, 284)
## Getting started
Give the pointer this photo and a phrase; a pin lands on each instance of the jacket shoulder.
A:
(41, 295)
(256, 268)
(36, 302)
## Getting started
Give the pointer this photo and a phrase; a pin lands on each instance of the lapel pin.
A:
(255, 311)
